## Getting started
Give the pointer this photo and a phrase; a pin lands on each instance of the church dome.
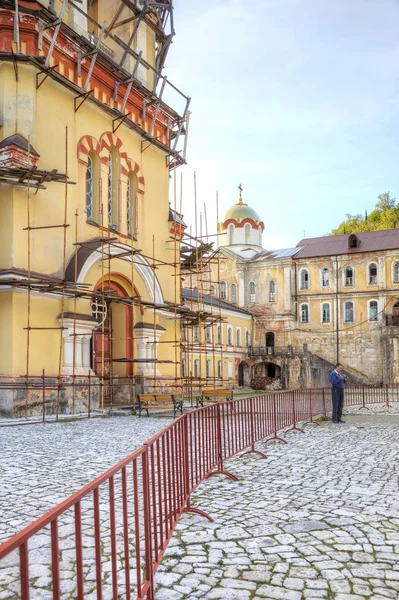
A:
(240, 211)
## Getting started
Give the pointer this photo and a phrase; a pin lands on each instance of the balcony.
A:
(274, 350)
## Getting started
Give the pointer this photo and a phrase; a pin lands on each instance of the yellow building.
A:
(88, 138)
(326, 300)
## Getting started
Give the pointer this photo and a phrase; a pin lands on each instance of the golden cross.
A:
(240, 188)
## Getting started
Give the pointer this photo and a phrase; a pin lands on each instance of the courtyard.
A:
(319, 518)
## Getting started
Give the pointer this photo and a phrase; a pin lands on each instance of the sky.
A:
(297, 100)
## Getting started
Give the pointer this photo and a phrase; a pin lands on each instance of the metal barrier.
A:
(115, 530)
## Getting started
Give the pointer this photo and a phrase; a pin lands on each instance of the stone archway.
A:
(244, 374)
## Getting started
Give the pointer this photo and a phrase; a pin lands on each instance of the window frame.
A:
(353, 311)
(301, 273)
(233, 294)
(196, 368)
(272, 294)
(325, 282)
(247, 233)
(369, 276)
(323, 304)
(252, 295)
(370, 320)
(230, 234)
(223, 290)
(229, 336)
(345, 277)
(301, 307)
(238, 337)
(208, 334)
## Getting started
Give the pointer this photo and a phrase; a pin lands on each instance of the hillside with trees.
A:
(384, 216)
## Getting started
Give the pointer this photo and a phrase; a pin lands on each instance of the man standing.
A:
(337, 380)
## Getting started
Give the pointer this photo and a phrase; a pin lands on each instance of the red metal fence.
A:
(111, 534)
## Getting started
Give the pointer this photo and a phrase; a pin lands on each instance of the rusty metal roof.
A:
(368, 241)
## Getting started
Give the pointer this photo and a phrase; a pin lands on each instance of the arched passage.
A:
(244, 374)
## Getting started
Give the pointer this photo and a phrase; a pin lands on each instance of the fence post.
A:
(387, 396)
(89, 393)
(220, 469)
(363, 397)
(294, 427)
(149, 575)
(44, 395)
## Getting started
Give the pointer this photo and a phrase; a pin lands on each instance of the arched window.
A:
(349, 312)
(183, 368)
(213, 290)
(223, 290)
(325, 278)
(238, 337)
(304, 313)
(353, 241)
(196, 334)
(247, 230)
(349, 277)
(131, 204)
(230, 234)
(247, 338)
(89, 189)
(113, 188)
(233, 293)
(272, 291)
(219, 334)
(92, 187)
(229, 336)
(373, 310)
(252, 295)
(326, 313)
(208, 334)
(304, 279)
(260, 235)
(396, 272)
(209, 368)
(219, 368)
(373, 273)
(98, 310)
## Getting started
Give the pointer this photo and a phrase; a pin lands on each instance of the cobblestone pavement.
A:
(41, 465)
(319, 518)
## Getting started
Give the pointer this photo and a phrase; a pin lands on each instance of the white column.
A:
(86, 352)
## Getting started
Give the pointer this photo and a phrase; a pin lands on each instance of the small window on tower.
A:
(353, 241)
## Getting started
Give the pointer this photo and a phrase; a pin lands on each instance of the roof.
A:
(18, 140)
(176, 217)
(370, 241)
(241, 211)
(273, 254)
(213, 300)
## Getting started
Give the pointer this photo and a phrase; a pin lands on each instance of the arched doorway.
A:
(244, 374)
(269, 342)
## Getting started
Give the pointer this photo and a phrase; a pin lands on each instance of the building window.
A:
(260, 235)
(196, 334)
(219, 334)
(252, 296)
(326, 313)
(113, 188)
(196, 367)
(238, 337)
(89, 189)
(233, 293)
(110, 190)
(349, 277)
(373, 273)
(98, 310)
(373, 310)
(208, 335)
(213, 290)
(209, 368)
(229, 369)
(272, 291)
(396, 272)
(247, 230)
(304, 279)
(223, 290)
(304, 313)
(131, 204)
(229, 336)
(247, 338)
(353, 241)
(183, 368)
(349, 312)
(325, 278)
(230, 234)
(219, 368)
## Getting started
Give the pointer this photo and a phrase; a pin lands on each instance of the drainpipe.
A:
(337, 304)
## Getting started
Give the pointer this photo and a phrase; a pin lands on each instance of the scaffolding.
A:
(195, 310)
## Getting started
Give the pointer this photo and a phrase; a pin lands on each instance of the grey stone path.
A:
(318, 519)
(41, 465)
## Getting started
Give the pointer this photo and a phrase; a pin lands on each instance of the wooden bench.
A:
(217, 395)
(158, 402)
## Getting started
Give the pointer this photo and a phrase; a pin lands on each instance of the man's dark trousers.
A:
(337, 403)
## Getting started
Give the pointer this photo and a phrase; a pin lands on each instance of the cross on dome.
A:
(240, 198)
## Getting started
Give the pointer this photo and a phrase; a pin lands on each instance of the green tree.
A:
(384, 216)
